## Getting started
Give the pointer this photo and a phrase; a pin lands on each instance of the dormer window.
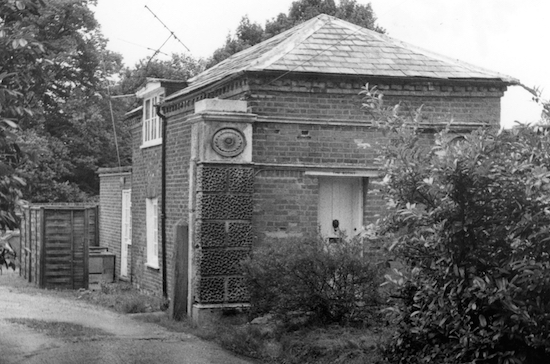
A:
(152, 124)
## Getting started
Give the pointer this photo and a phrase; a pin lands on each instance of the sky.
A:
(506, 36)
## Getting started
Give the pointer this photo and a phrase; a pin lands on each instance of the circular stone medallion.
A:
(228, 142)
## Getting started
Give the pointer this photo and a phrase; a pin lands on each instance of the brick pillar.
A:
(222, 194)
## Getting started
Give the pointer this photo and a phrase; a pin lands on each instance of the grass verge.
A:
(334, 344)
(268, 344)
(120, 296)
(61, 330)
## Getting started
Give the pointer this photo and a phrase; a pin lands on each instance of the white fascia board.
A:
(150, 89)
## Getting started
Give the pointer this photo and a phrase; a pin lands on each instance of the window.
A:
(152, 226)
(152, 128)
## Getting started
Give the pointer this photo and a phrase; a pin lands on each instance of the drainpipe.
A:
(163, 198)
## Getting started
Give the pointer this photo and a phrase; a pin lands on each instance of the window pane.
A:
(152, 124)
(147, 109)
(159, 128)
(152, 231)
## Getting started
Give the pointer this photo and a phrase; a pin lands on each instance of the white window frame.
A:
(127, 215)
(152, 226)
(152, 123)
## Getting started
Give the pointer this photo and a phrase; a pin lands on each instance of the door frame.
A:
(125, 230)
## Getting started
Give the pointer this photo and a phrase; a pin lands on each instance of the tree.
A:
(17, 45)
(249, 34)
(178, 67)
(61, 66)
(469, 220)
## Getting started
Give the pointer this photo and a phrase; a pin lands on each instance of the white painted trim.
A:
(151, 143)
(371, 174)
(149, 265)
(221, 305)
(149, 89)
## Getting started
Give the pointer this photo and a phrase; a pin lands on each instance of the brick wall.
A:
(275, 142)
(177, 182)
(337, 98)
(147, 184)
(111, 183)
(303, 124)
(285, 204)
(320, 98)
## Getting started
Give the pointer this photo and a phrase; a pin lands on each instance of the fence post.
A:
(178, 298)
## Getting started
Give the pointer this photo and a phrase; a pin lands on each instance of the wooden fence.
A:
(55, 241)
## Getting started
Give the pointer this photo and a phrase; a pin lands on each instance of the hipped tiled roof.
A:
(329, 45)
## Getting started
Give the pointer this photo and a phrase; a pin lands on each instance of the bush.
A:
(313, 281)
(470, 217)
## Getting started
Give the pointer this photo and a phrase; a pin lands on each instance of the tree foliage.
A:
(17, 44)
(178, 67)
(58, 68)
(470, 220)
(249, 34)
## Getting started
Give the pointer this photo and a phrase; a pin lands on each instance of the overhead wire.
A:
(142, 46)
(156, 52)
(171, 32)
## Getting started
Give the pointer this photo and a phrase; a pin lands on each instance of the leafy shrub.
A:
(470, 218)
(313, 281)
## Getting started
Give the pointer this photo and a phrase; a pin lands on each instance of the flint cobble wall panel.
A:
(223, 231)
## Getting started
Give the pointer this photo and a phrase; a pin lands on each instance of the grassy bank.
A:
(267, 342)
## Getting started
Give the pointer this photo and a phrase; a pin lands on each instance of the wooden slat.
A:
(42, 250)
(55, 266)
(65, 280)
(55, 275)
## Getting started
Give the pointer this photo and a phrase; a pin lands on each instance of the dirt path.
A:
(120, 340)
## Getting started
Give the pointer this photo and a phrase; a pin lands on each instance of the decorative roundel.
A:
(228, 142)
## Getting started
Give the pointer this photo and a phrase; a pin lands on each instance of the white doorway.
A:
(126, 231)
(340, 206)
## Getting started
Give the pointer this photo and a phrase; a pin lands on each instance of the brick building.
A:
(273, 143)
(114, 218)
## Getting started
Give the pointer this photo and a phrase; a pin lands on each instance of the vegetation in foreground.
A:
(469, 219)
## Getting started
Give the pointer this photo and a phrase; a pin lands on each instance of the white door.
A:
(340, 206)
(126, 229)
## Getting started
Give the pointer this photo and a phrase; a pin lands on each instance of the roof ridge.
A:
(252, 49)
(273, 55)
(423, 51)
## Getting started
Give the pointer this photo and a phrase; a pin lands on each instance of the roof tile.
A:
(329, 45)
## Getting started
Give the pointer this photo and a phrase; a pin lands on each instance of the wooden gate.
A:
(55, 241)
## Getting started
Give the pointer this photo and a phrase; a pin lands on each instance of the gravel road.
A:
(125, 340)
